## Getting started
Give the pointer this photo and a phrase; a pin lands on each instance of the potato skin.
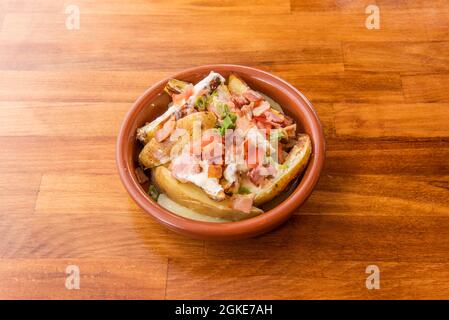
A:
(207, 119)
(196, 199)
(296, 162)
(236, 85)
(147, 132)
(156, 153)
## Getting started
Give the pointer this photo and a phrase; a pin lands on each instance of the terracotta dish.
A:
(154, 102)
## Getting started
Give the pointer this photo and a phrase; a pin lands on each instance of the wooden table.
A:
(382, 96)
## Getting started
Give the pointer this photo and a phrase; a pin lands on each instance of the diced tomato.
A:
(188, 92)
(214, 171)
(178, 98)
(242, 203)
(166, 130)
(243, 124)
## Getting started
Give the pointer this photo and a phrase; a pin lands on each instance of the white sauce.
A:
(210, 185)
(204, 84)
(230, 173)
(257, 138)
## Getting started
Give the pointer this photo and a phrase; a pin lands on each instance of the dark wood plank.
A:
(99, 279)
(379, 195)
(404, 57)
(413, 120)
(426, 88)
(342, 238)
(303, 279)
(389, 156)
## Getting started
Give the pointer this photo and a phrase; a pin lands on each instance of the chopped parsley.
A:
(153, 192)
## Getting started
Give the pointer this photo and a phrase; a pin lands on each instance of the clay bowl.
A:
(154, 102)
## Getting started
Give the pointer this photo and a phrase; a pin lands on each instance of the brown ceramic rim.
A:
(228, 230)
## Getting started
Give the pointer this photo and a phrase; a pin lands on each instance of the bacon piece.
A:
(242, 203)
(274, 116)
(166, 130)
(270, 170)
(261, 109)
(252, 95)
(247, 110)
(259, 174)
(255, 177)
(290, 130)
(243, 124)
(239, 101)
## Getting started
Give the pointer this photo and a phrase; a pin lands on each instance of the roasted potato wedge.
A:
(147, 132)
(156, 153)
(164, 201)
(175, 86)
(195, 198)
(207, 119)
(236, 85)
(294, 164)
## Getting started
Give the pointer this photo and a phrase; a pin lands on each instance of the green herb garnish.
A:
(283, 166)
(228, 123)
(243, 190)
(153, 192)
(222, 109)
(276, 135)
(201, 103)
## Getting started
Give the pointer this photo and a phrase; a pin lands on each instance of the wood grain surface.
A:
(382, 96)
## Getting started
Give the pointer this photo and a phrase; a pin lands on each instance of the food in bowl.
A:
(221, 151)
